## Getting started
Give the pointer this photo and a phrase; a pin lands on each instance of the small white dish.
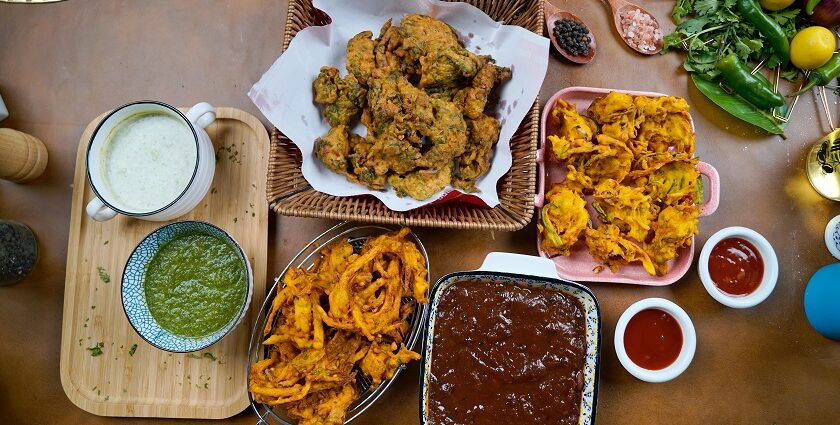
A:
(689, 344)
(832, 237)
(768, 257)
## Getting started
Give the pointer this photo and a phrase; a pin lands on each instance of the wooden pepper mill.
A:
(22, 157)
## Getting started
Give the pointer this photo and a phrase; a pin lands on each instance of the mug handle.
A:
(202, 114)
(99, 211)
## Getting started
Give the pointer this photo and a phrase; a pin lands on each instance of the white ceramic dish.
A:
(105, 207)
(832, 237)
(768, 256)
(686, 352)
(4, 113)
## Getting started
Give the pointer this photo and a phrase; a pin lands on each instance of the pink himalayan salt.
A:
(640, 30)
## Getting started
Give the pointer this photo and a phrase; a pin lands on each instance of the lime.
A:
(774, 5)
(812, 47)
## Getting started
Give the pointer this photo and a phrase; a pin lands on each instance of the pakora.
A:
(634, 160)
(346, 315)
(422, 98)
(563, 219)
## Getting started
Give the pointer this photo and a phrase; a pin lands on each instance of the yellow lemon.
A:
(812, 47)
(774, 5)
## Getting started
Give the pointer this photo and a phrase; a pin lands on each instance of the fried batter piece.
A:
(416, 88)
(343, 98)
(641, 172)
(360, 57)
(672, 230)
(314, 356)
(607, 246)
(616, 113)
(328, 407)
(609, 158)
(482, 136)
(629, 208)
(564, 218)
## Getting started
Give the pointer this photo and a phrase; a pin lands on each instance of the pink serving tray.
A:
(579, 266)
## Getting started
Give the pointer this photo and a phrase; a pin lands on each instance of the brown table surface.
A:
(63, 64)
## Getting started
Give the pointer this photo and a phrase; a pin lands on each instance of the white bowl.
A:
(768, 257)
(689, 344)
(832, 237)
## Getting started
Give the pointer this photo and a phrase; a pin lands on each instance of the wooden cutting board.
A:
(151, 382)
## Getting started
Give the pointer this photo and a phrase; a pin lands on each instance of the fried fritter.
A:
(608, 247)
(483, 133)
(629, 208)
(563, 219)
(346, 315)
(672, 230)
(343, 98)
(609, 158)
(360, 57)
(416, 88)
(640, 171)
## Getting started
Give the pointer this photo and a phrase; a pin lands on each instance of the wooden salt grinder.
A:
(22, 157)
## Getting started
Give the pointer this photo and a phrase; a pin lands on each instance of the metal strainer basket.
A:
(356, 236)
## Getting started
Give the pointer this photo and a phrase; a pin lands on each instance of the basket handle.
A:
(711, 173)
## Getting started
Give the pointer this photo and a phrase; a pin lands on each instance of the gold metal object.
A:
(823, 165)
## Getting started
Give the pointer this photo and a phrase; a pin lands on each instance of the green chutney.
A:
(195, 284)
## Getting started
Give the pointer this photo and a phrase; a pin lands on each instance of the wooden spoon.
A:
(552, 15)
(619, 6)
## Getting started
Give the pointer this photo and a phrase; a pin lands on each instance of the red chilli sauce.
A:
(653, 339)
(736, 267)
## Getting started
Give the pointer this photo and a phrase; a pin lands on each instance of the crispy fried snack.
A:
(629, 208)
(421, 95)
(344, 316)
(672, 230)
(563, 217)
(635, 156)
(607, 246)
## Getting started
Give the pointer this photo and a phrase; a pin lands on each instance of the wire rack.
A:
(356, 236)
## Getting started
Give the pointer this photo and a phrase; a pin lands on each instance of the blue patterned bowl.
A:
(134, 294)
(591, 367)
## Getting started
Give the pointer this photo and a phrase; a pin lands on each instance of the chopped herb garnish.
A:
(213, 190)
(210, 356)
(193, 356)
(235, 219)
(107, 398)
(103, 275)
(205, 385)
(106, 243)
(132, 350)
(96, 350)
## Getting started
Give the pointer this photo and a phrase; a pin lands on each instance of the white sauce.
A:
(148, 160)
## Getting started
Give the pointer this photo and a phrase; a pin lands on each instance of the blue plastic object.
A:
(822, 301)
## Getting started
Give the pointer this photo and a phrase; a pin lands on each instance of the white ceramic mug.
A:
(105, 206)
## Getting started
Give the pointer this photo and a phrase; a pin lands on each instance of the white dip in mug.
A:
(150, 161)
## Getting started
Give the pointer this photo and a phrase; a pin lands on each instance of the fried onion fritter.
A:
(608, 247)
(563, 219)
(635, 157)
(347, 314)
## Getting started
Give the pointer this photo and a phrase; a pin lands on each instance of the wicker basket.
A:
(289, 193)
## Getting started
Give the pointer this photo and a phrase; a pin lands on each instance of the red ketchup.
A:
(653, 339)
(736, 267)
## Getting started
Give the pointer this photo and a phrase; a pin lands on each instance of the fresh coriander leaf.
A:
(681, 9)
(103, 275)
(96, 350)
(706, 7)
(132, 350)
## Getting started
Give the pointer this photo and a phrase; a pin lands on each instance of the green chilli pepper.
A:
(811, 5)
(754, 88)
(768, 27)
(822, 75)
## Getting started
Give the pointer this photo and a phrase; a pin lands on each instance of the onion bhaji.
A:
(633, 158)
(563, 219)
(346, 315)
(422, 97)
